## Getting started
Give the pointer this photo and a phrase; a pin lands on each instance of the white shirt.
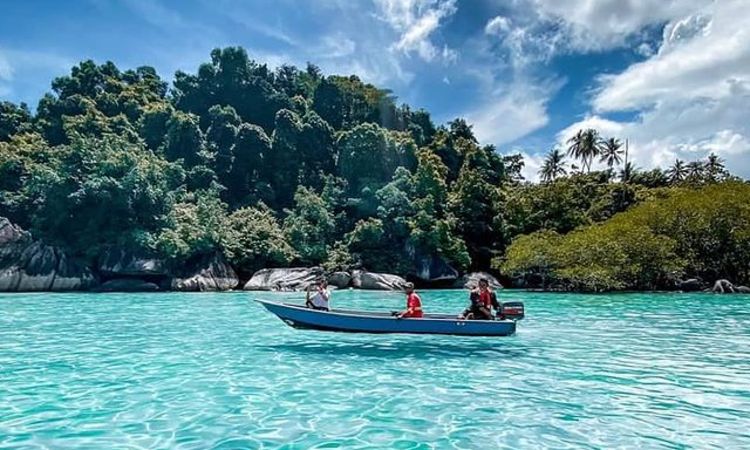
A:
(320, 299)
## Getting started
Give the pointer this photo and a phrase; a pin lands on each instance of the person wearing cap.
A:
(483, 300)
(413, 303)
(321, 299)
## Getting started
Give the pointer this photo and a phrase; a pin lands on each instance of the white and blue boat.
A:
(343, 320)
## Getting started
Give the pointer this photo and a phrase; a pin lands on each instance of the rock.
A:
(723, 287)
(377, 281)
(30, 265)
(471, 281)
(289, 279)
(121, 263)
(726, 287)
(210, 273)
(128, 285)
(690, 285)
(72, 275)
(434, 269)
(340, 280)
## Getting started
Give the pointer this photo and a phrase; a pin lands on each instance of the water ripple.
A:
(196, 371)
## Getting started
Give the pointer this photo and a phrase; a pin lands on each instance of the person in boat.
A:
(320, 300)
(413, 304)
(483, 301)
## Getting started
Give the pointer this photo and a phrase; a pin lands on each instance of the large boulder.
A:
(690, 285)
(128, 285)
(471, 281)
(122, 263)
(288, 279)
(726, 287)
(340, 280)
(27, 264)
(377, 281)
(434, 269)
(210, 273)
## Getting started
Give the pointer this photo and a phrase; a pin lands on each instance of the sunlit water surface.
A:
(194, 371)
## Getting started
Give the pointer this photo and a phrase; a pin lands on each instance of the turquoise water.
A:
(194, 371)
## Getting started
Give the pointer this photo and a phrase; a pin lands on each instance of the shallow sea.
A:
(195, 371)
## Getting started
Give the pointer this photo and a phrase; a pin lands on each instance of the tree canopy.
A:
(274, 167)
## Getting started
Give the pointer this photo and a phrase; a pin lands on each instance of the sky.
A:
(670, 76)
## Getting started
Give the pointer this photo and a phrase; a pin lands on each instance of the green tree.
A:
(195, 226)
(369, 155)
(553, 166)
(231, 78)
(611, 152)
(95, 193)
(184, 140)
(283, 161)
(585, 145)
(13, 119)
(246, 182)
(221, 137)
(715, 170)
(678, 172)
(254, 240)
(310, 227)
(696, 172)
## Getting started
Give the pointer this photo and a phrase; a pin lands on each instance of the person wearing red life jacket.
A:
(483, 301)
(413, 304)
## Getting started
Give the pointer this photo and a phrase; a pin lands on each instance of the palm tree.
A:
(695, 171)
(628, 171)
(585, 145)
(714, 167)
(677, 172)
(611, 152)
(553, 166)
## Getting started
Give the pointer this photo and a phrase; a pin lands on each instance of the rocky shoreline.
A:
(30, 265)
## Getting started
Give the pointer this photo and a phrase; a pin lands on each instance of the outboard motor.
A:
(511, 310)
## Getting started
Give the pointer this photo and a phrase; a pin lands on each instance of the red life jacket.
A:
(486, 298)
(414, 303)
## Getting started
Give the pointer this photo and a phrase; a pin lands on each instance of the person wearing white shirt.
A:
(320, 299)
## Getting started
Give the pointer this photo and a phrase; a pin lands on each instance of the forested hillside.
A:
(284, 167)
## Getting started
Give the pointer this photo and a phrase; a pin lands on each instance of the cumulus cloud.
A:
(532, 163)
(416, 21)
(691, 98)
(604, 24)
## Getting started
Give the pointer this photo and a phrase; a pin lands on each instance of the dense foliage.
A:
(701, 233)
(270, 167)
(292, 167)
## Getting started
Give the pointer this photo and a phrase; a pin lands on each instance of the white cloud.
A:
(497, 25)
(605, 24)
(706, 61)
(510, 113)
(524, 44)
(336, 46)
(540, 29)
(416, 21)
(691, 98)
(531, 165)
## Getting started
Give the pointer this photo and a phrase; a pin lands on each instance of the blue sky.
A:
(673, 77)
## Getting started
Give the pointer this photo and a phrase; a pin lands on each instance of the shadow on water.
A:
(402, 349)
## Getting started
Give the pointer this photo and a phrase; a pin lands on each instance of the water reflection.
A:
(465, 348)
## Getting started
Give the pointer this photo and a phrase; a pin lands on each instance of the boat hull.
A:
(373, 322)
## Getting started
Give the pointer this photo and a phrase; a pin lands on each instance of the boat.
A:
(351, 321)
